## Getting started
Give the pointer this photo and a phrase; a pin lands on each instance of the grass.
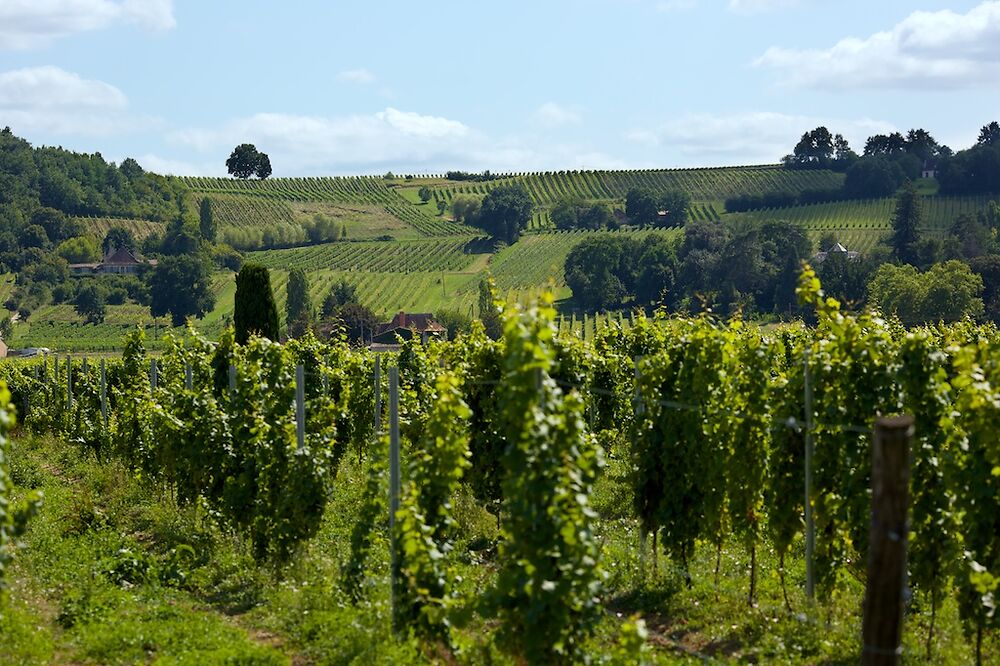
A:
(115, 572)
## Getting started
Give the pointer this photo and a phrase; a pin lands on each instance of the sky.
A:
(328, 87)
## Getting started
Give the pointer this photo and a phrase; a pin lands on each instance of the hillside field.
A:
(402, 254)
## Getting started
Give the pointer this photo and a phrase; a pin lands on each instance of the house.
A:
(851, 255)
(929, 169)
(406, 326)
(118, 261)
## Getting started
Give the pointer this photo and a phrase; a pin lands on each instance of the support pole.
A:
(232, 379)
(104, 393)
(69, 383)
(378, 394)
(885, 592)
(152, 373)
(394, 476)
(188, 377)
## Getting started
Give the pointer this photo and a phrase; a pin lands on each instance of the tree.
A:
(263, 169)
(675, 205)
(357, 321)
(885, 145)
(989, 135)
(843, 156)
(79, 250)
(656, 277)
(425, 194)
(465, 207)
(181, 287)
(246, 161)
(340, 294)
(947, 292)
(505, 212)
(601, 271)
(905, 225)
(298, 310)
(921, 144)
(488, 312)
(206, 220)
(988, 268)
(641, 207)
(118, 237)
(814, 150)
(872, 178)
(454, 322)
(91, 302)
(255, 311)
(442, 206)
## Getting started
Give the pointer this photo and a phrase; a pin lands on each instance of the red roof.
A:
(422, 322)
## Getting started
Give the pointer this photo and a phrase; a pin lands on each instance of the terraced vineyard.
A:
(861, 224)
(703, 185)
(338, 190)
(452, 254)
(99, 226)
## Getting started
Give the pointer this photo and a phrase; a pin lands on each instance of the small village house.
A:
(407, 326)
(118, 261)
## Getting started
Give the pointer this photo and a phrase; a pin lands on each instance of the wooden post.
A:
(300, 405)
(232, 379)
(188, 377)
(394, 477)
(69, 383)
(152, 373)
(882, 631)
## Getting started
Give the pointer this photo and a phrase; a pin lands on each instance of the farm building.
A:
(406, 326)
(851, 255)
(929, 169)
(121, 261)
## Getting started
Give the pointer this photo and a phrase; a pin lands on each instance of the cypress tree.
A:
(905, 223)
(206, 220)
(297, 306)
(256, 312)
(488, 313)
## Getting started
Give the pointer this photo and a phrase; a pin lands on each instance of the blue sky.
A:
(329, 88)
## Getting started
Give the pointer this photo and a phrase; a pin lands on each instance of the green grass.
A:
(115, 572)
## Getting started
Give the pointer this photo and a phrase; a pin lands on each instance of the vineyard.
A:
(403, 257)
(98, 227)
(370, 191)
(704, 185)
(645, 458)
(859, 225)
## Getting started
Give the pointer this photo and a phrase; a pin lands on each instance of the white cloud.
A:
(170, 167)
(392, 139)
(749, 138)
(361, 75)
(553, 115)
(49, 87)
(26, 24)
(53, 101)
(942, 49)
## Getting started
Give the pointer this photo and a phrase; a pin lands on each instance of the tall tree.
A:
(180, 286)
(905, 225)
(246, 161)
(91, 302)
(206, 220)
(256, 312)
(298, 310)
(263, 169)
(641, 207)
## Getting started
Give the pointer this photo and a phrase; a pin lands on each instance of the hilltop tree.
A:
(255, 312)
(905, 223)
(505, 212)
(206, 220)
(246, 161)
(989, 135)
(180, 286)
(885, 145)
(298, 311)
(814, 150)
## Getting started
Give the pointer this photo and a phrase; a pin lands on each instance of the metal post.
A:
(104, 393)
(300, 405)
(538, 387)
(232, 378)
(810, 525)
(885, 591)
(188, 377)
(394, 475)
(86, 368)
(69, 383)
(152, 373)
(45, 369)
(637, 400)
